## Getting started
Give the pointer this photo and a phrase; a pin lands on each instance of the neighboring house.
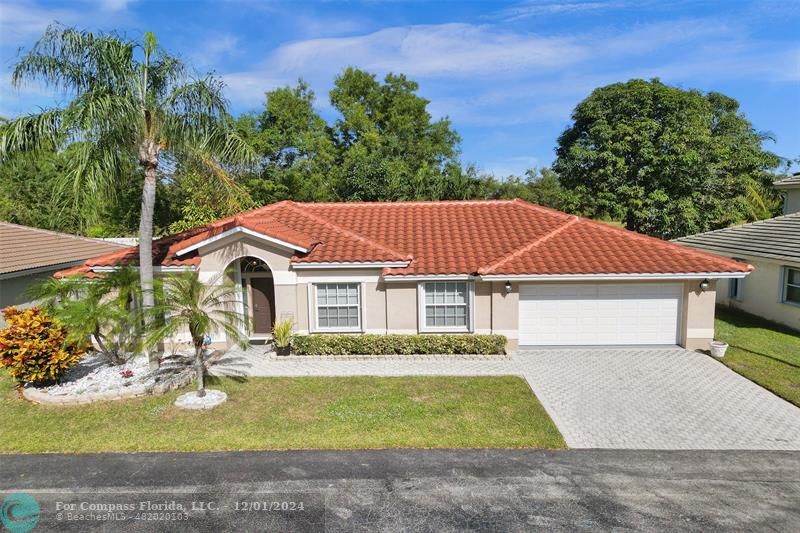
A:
(772, 246)
(791, 193)
(536, 275)
(28, 255)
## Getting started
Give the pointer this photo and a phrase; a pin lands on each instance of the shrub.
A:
(282, 333)
(34, 347)
(398, 344)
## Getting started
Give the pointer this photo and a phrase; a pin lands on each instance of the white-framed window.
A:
(338, 306)
(445, 306)
(791, 285)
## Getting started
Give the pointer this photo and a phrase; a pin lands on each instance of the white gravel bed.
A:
(191, 400)
(94, 374)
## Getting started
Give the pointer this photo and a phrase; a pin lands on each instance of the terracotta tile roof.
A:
(443, 237)
(499, 237)
(25, 248)
(585, 246)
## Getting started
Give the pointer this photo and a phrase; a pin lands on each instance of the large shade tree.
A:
(385, 145)
(128, 101)
(665, 161)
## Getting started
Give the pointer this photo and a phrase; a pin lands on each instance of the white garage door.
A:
(603, 314)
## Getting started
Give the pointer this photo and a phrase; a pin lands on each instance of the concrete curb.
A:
(392, 357)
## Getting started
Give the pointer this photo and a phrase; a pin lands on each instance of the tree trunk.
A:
(149, 158)
(199, 369)
(630, 221)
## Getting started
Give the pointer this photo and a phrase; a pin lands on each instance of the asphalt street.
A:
(411, 490)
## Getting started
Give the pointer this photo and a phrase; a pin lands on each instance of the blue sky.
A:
(507, 74)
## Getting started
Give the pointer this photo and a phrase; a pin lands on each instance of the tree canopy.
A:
(660, 159)
(384, 146)
(665, 161)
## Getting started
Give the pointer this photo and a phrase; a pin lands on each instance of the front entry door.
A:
(263, 305)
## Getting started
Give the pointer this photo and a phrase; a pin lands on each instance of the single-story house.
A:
(538, 276)
(29, 255)
(772, 246)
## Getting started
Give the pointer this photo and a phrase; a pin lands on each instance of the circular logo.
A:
(19, 512)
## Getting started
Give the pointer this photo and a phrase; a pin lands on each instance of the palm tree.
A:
(129, 101)
(103, 309)
(190, 305)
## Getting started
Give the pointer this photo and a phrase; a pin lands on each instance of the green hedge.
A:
(398, 344)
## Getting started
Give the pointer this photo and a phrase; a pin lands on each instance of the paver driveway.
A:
(638, 398)
(656, 399)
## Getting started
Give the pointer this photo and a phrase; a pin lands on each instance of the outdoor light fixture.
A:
(508, 287)
(704, 285)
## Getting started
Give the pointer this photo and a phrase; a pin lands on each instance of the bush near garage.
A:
(326, 344)
(34, 347)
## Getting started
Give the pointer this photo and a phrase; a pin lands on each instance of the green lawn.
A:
(291, 413)
(762, 351)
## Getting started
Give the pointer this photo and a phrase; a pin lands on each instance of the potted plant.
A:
(282, 335)
(718, 349)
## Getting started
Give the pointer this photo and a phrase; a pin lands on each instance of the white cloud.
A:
(534, 8)
(213, 48)
(432, 50)
(541, 77)
(21, 20)
(113, 6)
(246, 89)
(511, 166)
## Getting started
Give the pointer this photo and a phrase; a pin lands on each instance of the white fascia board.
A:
(349, 264)
(101, 269)
(246, 231)
(335, 276)
(433, 277)
(614, 277)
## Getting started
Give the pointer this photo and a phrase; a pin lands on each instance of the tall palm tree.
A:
(129, 101)
(200, 308)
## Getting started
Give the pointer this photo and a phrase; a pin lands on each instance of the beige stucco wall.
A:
(698, 315)
(505, 309)
(375, 310)
(401, 303)
(301, 299)
(218, 256)
(761, 292)
(482, 302)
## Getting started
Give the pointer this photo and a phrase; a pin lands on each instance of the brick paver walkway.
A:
(641, 398)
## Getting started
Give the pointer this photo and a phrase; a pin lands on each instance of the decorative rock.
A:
(191, 400)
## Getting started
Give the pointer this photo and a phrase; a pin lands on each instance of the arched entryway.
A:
(258, 295)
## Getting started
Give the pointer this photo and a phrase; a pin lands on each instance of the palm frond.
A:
(202, 308)
(32, 133)
(75, 61)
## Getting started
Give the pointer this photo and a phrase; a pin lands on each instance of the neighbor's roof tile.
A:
(25, 248)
